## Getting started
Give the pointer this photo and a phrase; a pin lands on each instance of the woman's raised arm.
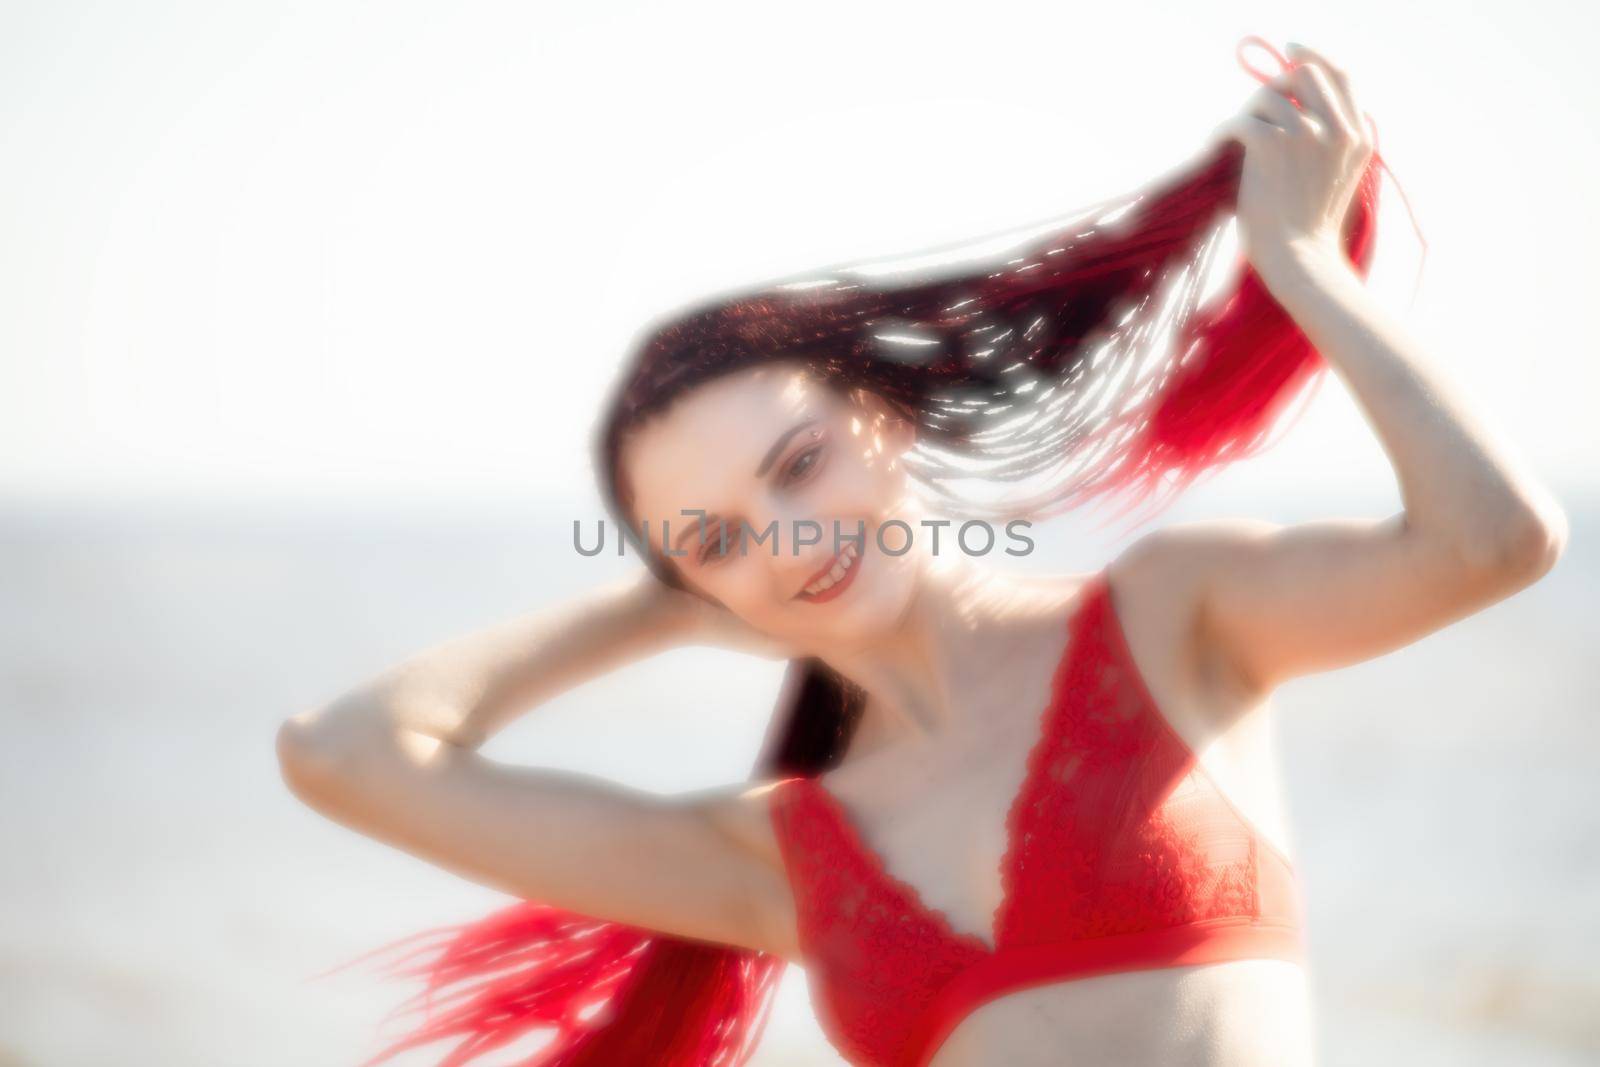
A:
(1272, 603)
(396, 760)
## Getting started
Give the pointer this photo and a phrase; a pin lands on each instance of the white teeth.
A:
(825, 582)
(840, 565)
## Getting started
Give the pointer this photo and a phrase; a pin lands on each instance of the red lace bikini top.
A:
(1122, 855)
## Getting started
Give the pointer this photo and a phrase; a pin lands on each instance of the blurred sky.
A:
(332, 249)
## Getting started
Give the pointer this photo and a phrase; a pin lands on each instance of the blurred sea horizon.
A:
(168, 902)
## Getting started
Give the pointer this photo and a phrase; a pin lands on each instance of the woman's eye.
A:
(803, 465)
(719, 545)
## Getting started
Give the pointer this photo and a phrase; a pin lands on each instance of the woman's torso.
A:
(933, 814)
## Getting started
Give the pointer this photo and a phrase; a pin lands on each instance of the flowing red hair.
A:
(1080, 357)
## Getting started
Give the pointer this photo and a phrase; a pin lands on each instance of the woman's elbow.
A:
(317, 768)
(302, 763)
(1530, 541)
(1544, 541)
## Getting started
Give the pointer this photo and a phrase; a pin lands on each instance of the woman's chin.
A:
(870, 607)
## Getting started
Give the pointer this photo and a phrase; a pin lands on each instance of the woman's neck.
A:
(916, 675)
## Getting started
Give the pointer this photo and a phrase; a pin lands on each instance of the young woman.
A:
(1000, 818)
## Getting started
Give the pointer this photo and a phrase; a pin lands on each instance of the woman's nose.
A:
(802, 542)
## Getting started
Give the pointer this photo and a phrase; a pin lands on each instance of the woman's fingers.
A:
(1341, 80)
(1248, 130)
(1313, 88)
(1270, 105)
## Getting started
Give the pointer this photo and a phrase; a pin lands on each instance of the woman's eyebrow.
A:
(777, 447)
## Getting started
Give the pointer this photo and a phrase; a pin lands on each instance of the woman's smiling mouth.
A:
(835, 578)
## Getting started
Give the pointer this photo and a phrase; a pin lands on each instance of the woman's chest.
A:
(1076, 813)
(938, 817)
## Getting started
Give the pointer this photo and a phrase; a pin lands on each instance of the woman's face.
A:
(771, 453)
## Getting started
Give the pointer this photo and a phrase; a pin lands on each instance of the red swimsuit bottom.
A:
(1122, 855)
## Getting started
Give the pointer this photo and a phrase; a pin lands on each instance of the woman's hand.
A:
(692, 620)
(1302, 164)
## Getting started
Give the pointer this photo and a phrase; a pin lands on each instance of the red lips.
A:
(838, 587)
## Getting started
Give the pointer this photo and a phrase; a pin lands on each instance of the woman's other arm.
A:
(395, 759)
(1274, 602)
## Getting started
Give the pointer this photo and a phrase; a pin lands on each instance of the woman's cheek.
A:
(859, 490)
(752, 596)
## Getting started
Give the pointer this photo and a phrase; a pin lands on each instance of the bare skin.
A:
(956, 658)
